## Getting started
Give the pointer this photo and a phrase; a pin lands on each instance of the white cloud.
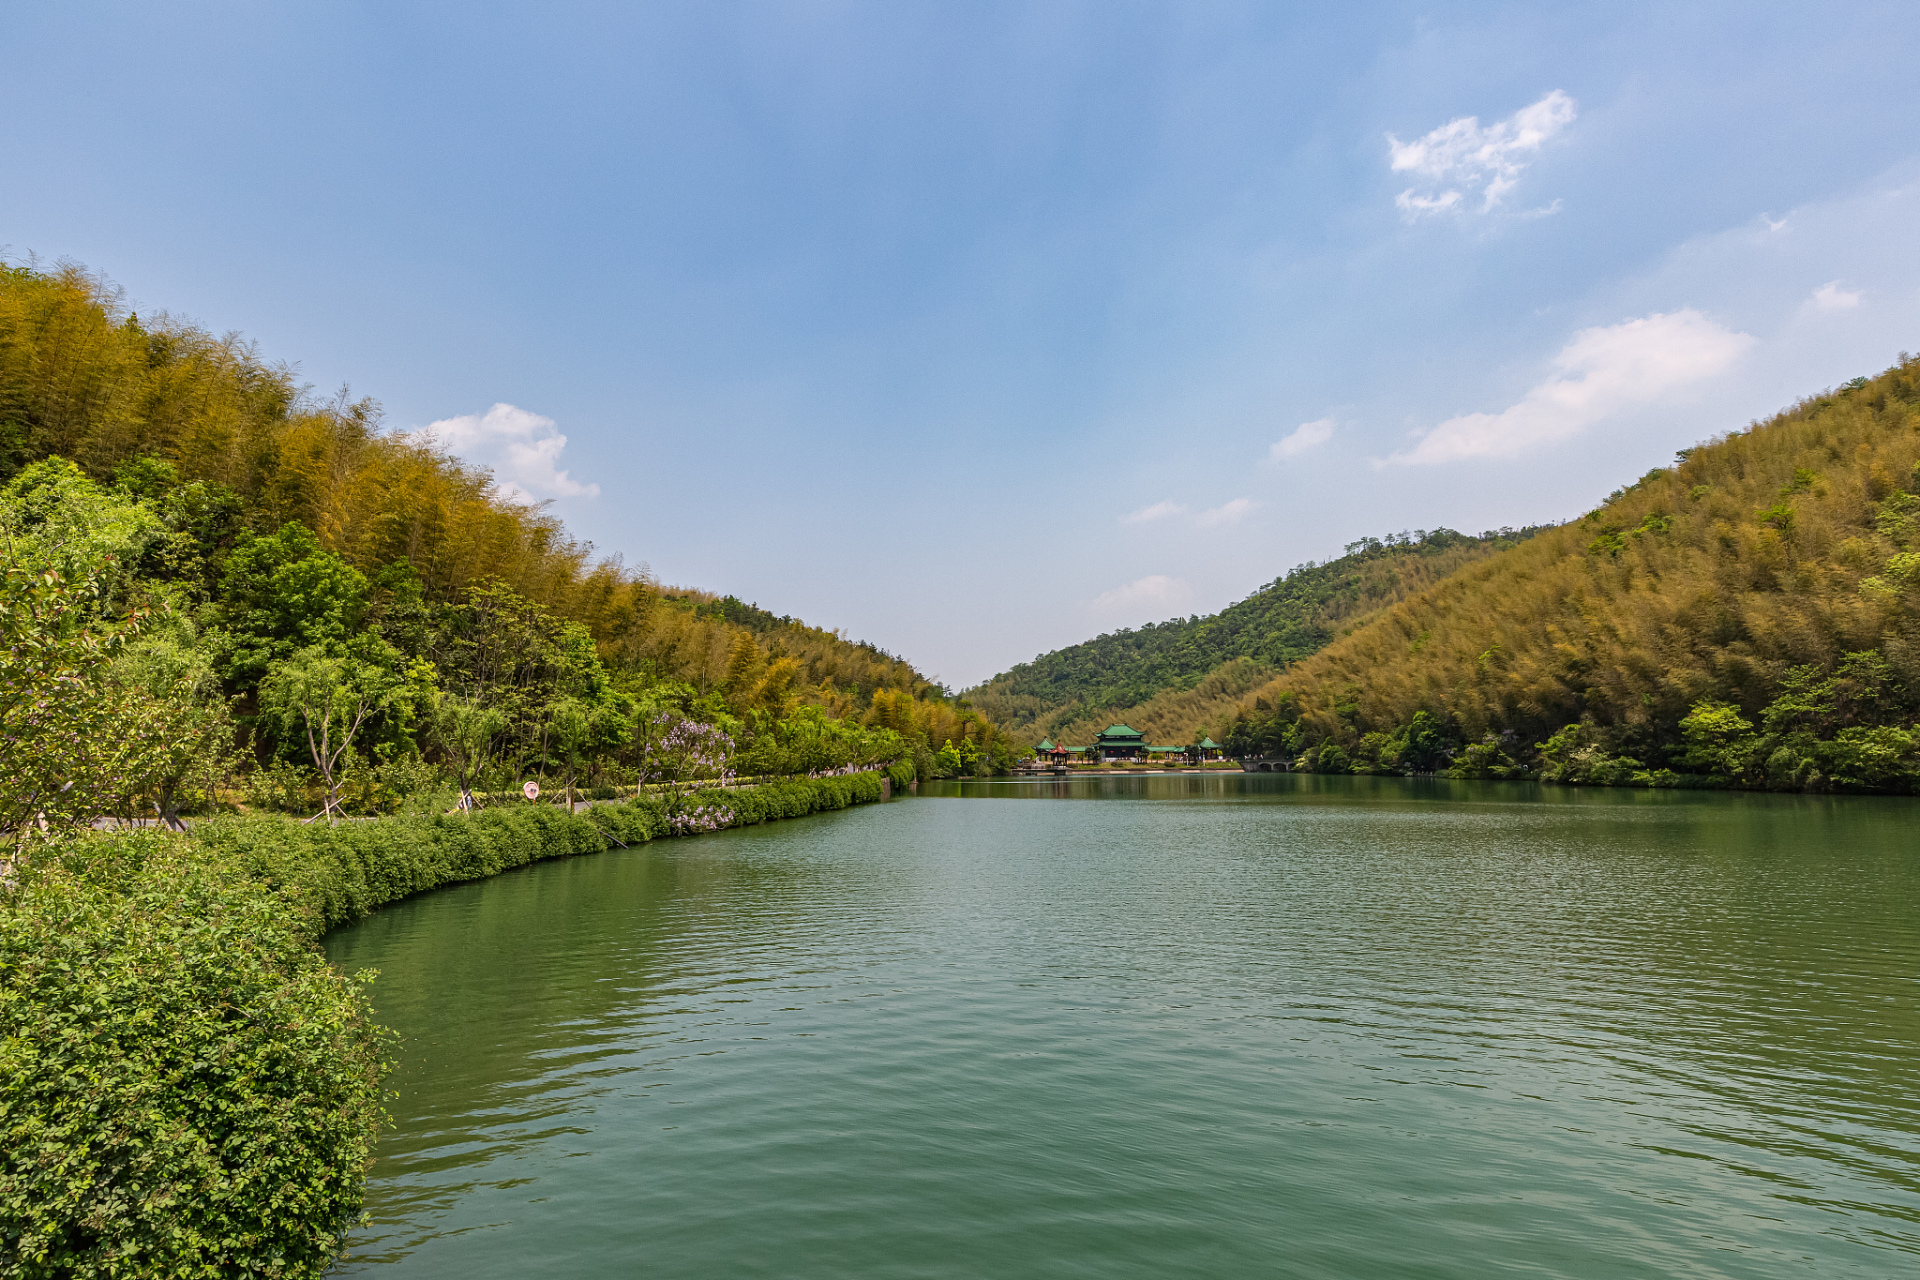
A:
(1460, 156)
(521, 448)
(1155, 512)
(1604, 371)
(1414, 206)
(1225, 513)
(1831, 297)
(1155, 589)
(1302, 438)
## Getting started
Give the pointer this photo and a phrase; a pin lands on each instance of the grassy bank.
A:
(187, 1089)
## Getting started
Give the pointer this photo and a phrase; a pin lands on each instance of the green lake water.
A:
(1238, 1025)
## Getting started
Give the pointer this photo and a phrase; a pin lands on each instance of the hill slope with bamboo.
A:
(241, 449)
(1172, 679)
(1748, 616)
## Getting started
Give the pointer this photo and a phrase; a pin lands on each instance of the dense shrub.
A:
(795, 798)
(187, 1089)
(339, 874)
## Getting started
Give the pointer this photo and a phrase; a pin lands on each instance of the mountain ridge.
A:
(1168, 678)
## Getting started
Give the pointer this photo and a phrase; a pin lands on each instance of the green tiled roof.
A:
(1209, 744)
(1046, 744)
(1119, 731)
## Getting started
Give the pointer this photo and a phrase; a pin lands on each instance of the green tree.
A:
(74, 743)
(570, 735)
(498, 649)
(286, 593)
(1718, 740)
(1424, 746)
(328, 695)
(53, 518)
(464, 731)
(177, 680)
(399, 609)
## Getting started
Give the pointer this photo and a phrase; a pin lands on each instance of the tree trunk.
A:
(169, 809)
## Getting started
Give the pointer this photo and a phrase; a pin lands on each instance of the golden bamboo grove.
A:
(1782, 545)
(82, 379)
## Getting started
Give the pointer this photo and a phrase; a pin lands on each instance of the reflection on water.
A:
(1217, 1025)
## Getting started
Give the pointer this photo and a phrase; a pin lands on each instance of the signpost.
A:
(531, 791)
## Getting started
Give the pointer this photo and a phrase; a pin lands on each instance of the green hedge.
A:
(794, 799)
(339, 874)
(187, 1089)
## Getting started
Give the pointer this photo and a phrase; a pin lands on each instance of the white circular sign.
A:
(531, 791)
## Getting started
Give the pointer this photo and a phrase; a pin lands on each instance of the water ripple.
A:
(1238, 1025)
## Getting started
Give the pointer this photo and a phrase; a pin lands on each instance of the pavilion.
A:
(1123, 742)
(1118, 742)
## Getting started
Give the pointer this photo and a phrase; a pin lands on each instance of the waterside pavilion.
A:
(1118, 742)
(1123, 742)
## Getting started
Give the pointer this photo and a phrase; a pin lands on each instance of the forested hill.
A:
(228, 453)
(830, 656)
(1279, 624)
(1749, 616)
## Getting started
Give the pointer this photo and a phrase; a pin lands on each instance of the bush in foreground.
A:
(186, 1087)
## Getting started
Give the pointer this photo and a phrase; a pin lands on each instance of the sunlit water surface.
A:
(1241, 1025)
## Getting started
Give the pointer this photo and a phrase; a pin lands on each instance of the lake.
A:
(1188, 1025)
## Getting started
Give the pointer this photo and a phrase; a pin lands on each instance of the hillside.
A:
(1170, 679)
(238, 469)
(850, 667)
(1749, 616)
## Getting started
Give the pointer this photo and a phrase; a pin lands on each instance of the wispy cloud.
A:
(521, 448)
(1226, 513)
(1461, 156)
(1417, 206)
(1158, 511)
(1155, 589)
(1831, 297)
(1307, 435)
(1603, 371)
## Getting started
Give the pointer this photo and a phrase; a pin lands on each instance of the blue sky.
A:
(979, 329)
